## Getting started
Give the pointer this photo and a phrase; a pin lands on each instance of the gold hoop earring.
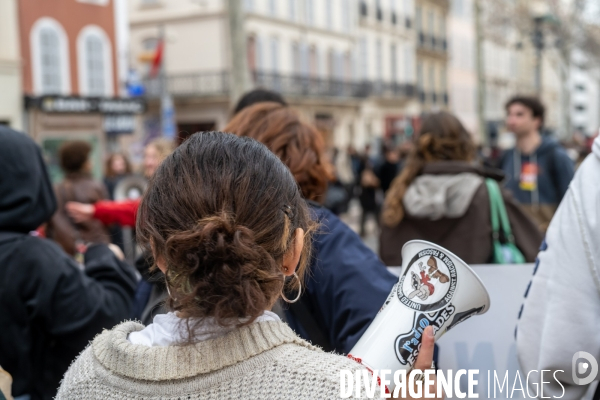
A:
(299, 292)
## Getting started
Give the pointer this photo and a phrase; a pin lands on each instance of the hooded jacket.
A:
(448, 204)
(50, 307)
(553, 172)
(561, 314)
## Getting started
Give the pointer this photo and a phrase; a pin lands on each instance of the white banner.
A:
(487, 342)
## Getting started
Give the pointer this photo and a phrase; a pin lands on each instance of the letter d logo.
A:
(580, 368)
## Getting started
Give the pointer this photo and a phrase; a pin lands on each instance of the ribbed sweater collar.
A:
(117, 354)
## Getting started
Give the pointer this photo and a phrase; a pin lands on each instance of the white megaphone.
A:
(435, 288)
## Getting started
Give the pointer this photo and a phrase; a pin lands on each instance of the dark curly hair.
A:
(73, 155)
(298, 144)
(221, 211)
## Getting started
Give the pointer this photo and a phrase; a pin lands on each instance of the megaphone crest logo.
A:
(429, 281)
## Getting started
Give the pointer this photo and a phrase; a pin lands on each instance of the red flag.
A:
(157, 61)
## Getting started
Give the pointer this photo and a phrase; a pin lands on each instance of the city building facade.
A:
(348, 66)
(462, 83)
(432, 53)
(71, 77)
(11, 101)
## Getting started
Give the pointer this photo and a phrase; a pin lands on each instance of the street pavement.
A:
(352, 219)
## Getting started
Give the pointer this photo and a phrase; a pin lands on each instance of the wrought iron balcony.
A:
(197, 84)
(432, 43)
(217, 84)
(299, 85)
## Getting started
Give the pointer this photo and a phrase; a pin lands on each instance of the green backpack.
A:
(503, 253)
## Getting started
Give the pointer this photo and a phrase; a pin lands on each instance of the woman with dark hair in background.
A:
(78, 185)
(441, 196)
(347, 283)
(116, 168)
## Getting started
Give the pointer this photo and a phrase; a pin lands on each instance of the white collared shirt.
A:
(168, 329)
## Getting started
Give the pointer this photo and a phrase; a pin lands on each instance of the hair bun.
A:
(214, 256)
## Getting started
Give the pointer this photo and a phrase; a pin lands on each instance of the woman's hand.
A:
(80, 212)
(425, 360)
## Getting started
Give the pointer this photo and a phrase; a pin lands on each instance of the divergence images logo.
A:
(429, 281)
(580, 368)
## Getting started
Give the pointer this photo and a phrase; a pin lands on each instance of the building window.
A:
(313, 60)
(292, 9)
(443, 79)
(418, 19)
(420, 75)
(379, 11)
(430, 23)
(393, 63)
(50, 57)
(329, 13)
(348, 73)
(304, 62)
(408, 61)
(259, 56)
(379, 59)
(296, 58)
(275, 55)
(580, 107)
(50, 61)
(94, 54)
(364, 58)
(442, 26)
(580, 88)
(248, 4)
(346, 17)
(363, 9)
(431, 83)
(272, 8)
(251, 53)
(331, 64)
(95, 62)
(310, 12)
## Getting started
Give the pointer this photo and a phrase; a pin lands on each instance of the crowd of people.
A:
(249, 284)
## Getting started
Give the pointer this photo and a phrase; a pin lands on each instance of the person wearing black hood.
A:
(50, 306)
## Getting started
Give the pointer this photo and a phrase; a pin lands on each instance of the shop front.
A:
(52, 120)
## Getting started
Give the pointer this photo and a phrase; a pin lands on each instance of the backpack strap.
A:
(553, 173)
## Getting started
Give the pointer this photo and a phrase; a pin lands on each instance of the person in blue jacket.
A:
(538, 170)
(347, 282)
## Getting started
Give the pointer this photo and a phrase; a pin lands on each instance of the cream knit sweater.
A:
(265, 360)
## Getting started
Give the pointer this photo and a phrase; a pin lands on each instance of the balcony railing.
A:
(298, 85)
(430, 42)
(198, 84)
(214, 84)
(433, 97)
